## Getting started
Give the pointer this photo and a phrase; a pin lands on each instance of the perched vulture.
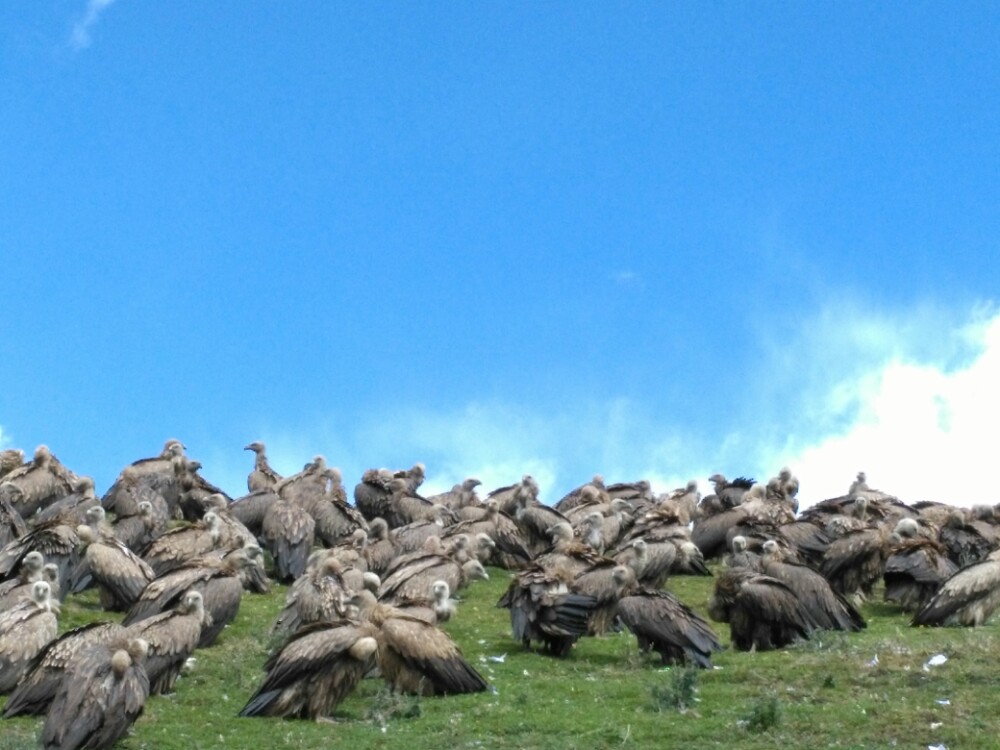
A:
(289, 532)
(172, 637)
(606, 584)
(320, 594)
(664, 624)
(12, 525)
(119, 573)
(412, 575)
(70, 509)
(855, 563)
(763, 613)
(314, 671)
(159, 476)
(415, 656)
(218, 581)
(40, 483)
(830, 610)
(58, 542)
(35, 691)
(594, 491)
(263, 477)
(250, 509)
(436, 607)
(178, 546)
(542, 608)
(507, 497)
(24, 631)
(509, 551)
(102, 695)
(968, 598)
(10, 459)
(372, 493)
(915, 568)
(459, 496)
(30, 570)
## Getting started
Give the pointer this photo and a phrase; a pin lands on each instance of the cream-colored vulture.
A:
(335, 519)
(728, 494)
(172, 637)
(379, 550)
(233, 533)
(830, 610)
(593, 491)
(435, 607)
(41, 482)
(413, 536)
(372, 493)
(741, 556)
(218, 581)
(35, 691)
(25, 630)
(916, 566)
(968, 598)
(178, 546)
(57, 542)
(689, 560)
(543, 609)
(262, 477)
(507, 497)
(119, 573)
(406, 506)
(664, 624)
(29, 571)
(104, 692)
(315, 670)
(965, 542)
(683, 501)
(709, 533)
(415, 656)
(288, 532)
(763, 613)
(566, 554)
(535, 520)
(411, 575)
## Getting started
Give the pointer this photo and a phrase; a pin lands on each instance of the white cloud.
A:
(920, 422)
(80, 36)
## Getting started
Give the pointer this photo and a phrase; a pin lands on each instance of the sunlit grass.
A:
(830, 692)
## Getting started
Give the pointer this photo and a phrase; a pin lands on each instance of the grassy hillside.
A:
(830, 692)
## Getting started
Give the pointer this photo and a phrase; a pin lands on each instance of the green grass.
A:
(825, 693)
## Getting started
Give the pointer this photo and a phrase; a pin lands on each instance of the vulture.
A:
(314, 671)
(507, 497)
(39, 483)
(436, 607)
(138, 532)
(459, 496)
(35, 691)
(379, 550)
(406, 506)
(968, 598)
(830, 610)
(30, 571)
(319, 595)
(12, 525)
(102, 695)
(684, 502)
(605, 584)
(509, 551)
(915, 568)
(57, 541)
(119, 573)
(218, 581)
(412, 575)
(534, 519)
(172, 637)
(10, 459)
(263, 477)
(741, 555)
(71, 508)
(594, 491)
(664, 624)
(178, 546)
(566, 554)
(25, 630)
(728, 494)
(415, 656)
(542, 608)
(288, 532)
(335, 519)
(156, 476)
(372, 493)
(250, 509)
(855, 563)
(763, 613)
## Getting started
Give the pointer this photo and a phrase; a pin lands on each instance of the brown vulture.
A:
(218, 581)
(288, 532)
(969, 597)
(830, 610)
(854, 563)
(314, 671)
(763, 613)
(664, 624)
(915, 568)
(415, 656)
(372, 493)
(102, 695)
(119, 573)
(40, 483)
(178, 546)
(320, 594)
(172, 637)
(37, 688)
(25, 630)
(263, 477)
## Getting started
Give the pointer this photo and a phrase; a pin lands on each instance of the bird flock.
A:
(369, 583)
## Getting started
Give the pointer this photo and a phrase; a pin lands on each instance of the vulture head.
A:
(256, 446)
(470, 484)
(371, 581)
(771, 550)
(42, 455)
(473, 570)
(41, 594)
(85, 487)
(33, 561)
(378, 529)
(120, 662)
(907, 528)
(172, 448)
(560, 532)
(193, 603)
(739, 544)
(363, 649)
(95, 516)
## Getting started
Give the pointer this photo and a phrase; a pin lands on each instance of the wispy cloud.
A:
(80, 36)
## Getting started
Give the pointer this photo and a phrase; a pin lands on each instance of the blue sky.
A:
(644, 240)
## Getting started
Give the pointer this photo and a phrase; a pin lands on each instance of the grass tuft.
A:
(764, 715)
(679, 694)
(387, 705)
